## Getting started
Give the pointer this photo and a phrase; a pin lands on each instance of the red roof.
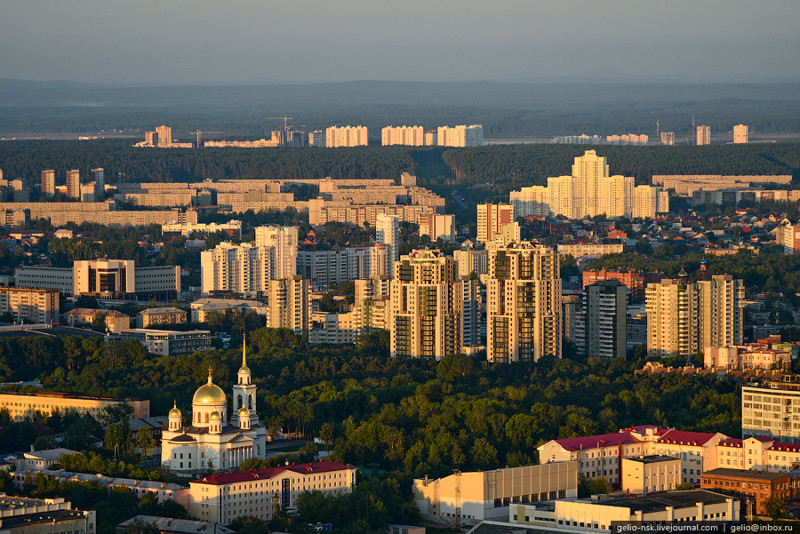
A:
(270, 472)
(785, 447)
(602, 440)
(681, 437)
(731, 442)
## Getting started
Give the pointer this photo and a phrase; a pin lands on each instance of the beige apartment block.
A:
(346, 136)
(159, 316)
(49, 182)
(523, 292)
(741, 134)
(426, 306)
(590, 249)
(703, 135)
(74, 184)
(471, 497)
(772, 409)
(21, 515)
(260, 493)
(282, 242)
(237, 268)
(114, 320)
(23, 405)
(403, 135)
(438, 227)
(686, 184)
(460, 136)
(30, 305)
(289, 302)
(491, 220)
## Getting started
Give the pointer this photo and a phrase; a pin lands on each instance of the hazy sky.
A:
(178, 41)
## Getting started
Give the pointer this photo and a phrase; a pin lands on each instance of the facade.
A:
(467, 498)
(747, 356)
(470, 261)
(41, 460)
(590, 249)
(157, 316)
(438, 227)
(316, 138)
(650, 474)
(114, 320)
(741, 134)
(21, 515)
(289, 301)
(231, 228)
(282, 241)
(49, 182)
(214, 442)
(668, 138)
(24, 405)
(241, 268)
(491, 220)
(686, 184)
(329, 267)
(164, 134)
(74, 184)
(30, 305)
(757, 486)
(703, 135)
(202, 307)
(601, 455)
(426, 307)
(346, 136)
(403, 135)
(590, 191)
(597, 515)
(169, 342)
(523, 294)
(684, 317)
(259, 493)
(460, 136)
(759, 453)
(772, 409)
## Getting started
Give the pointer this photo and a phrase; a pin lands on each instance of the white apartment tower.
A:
(74, 184)
(703, 135)
(741, 134)
(387, 232)
(289, 301)
(491, 220)
(523, 294)
(237, 268)
(345, 136)
(49, 182)
(426, 304)
(460, 136)
(282, 240)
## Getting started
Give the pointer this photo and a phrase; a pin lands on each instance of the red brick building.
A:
(749, 484)
(635, 281)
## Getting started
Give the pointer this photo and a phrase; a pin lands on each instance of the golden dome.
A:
(243, 411)
(174, 411)
(215, 415)
(209, 393)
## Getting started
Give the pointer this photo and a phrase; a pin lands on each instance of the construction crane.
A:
(285, 126)
(457, 473)
(200, 133)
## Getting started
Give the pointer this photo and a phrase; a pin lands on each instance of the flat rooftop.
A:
(744, 473)
(676, 499)
(652, 459)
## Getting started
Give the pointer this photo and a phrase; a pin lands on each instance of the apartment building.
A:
(470, 497)
(746, 356)
(523, 294)
(343, 264)
(703, 135)
(788, 236)
(30, 305)
(491, 220)
(372, 304)
(387, 232)
(590, 191)
(582, 250)
(282, 242)
(668, 138)
(426, 306)
(113, 320)
(772, 409)
(634, 281)
(204, 306)
(755, 486)
(74, 184)
(259, 493)
(24, 405)
(741, 134)
(599, 321)
(22, 515)
(289, 301)
(471, 260)
(437, 227)
(243, 268)
(48, 182)
(683, 317)
(460, 136)
(158, 316)
(403, 135)
(346, 136)
(686, 184)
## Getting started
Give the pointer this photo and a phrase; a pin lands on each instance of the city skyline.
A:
(194, 43)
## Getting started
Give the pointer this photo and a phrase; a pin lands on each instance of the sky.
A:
(233, 41)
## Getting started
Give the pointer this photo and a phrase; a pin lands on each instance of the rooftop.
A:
(601, 440)
(178, 526)
(48, 454)
(652, 459)
(744, 473)
(676, 499)
(269, 472)
(158, 311)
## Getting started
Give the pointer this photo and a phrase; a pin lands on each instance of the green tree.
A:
(145, 440)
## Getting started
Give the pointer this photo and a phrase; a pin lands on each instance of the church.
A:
(213, 442)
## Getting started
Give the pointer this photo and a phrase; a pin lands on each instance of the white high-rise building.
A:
(741, 134)
(346, 136)
(74, 183)
(703, 135)
(523, 294)
(237, 268)
(387, 232)
(283, 241)
(460, 136)
(589, 192)
(289, 301)
(403, 135)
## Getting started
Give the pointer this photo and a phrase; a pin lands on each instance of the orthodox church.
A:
(213, 442)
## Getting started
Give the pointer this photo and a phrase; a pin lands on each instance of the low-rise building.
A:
(650, 474)
(747, 356)
(259, 493)
(159, 316)
(114, 320)
(589, 249)
(204, 306)
(597, 514)
(170, 525)
(467, 498)
(41, 460)
(168, 342)
(749, 485)
(21, 515)
(25, 405)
